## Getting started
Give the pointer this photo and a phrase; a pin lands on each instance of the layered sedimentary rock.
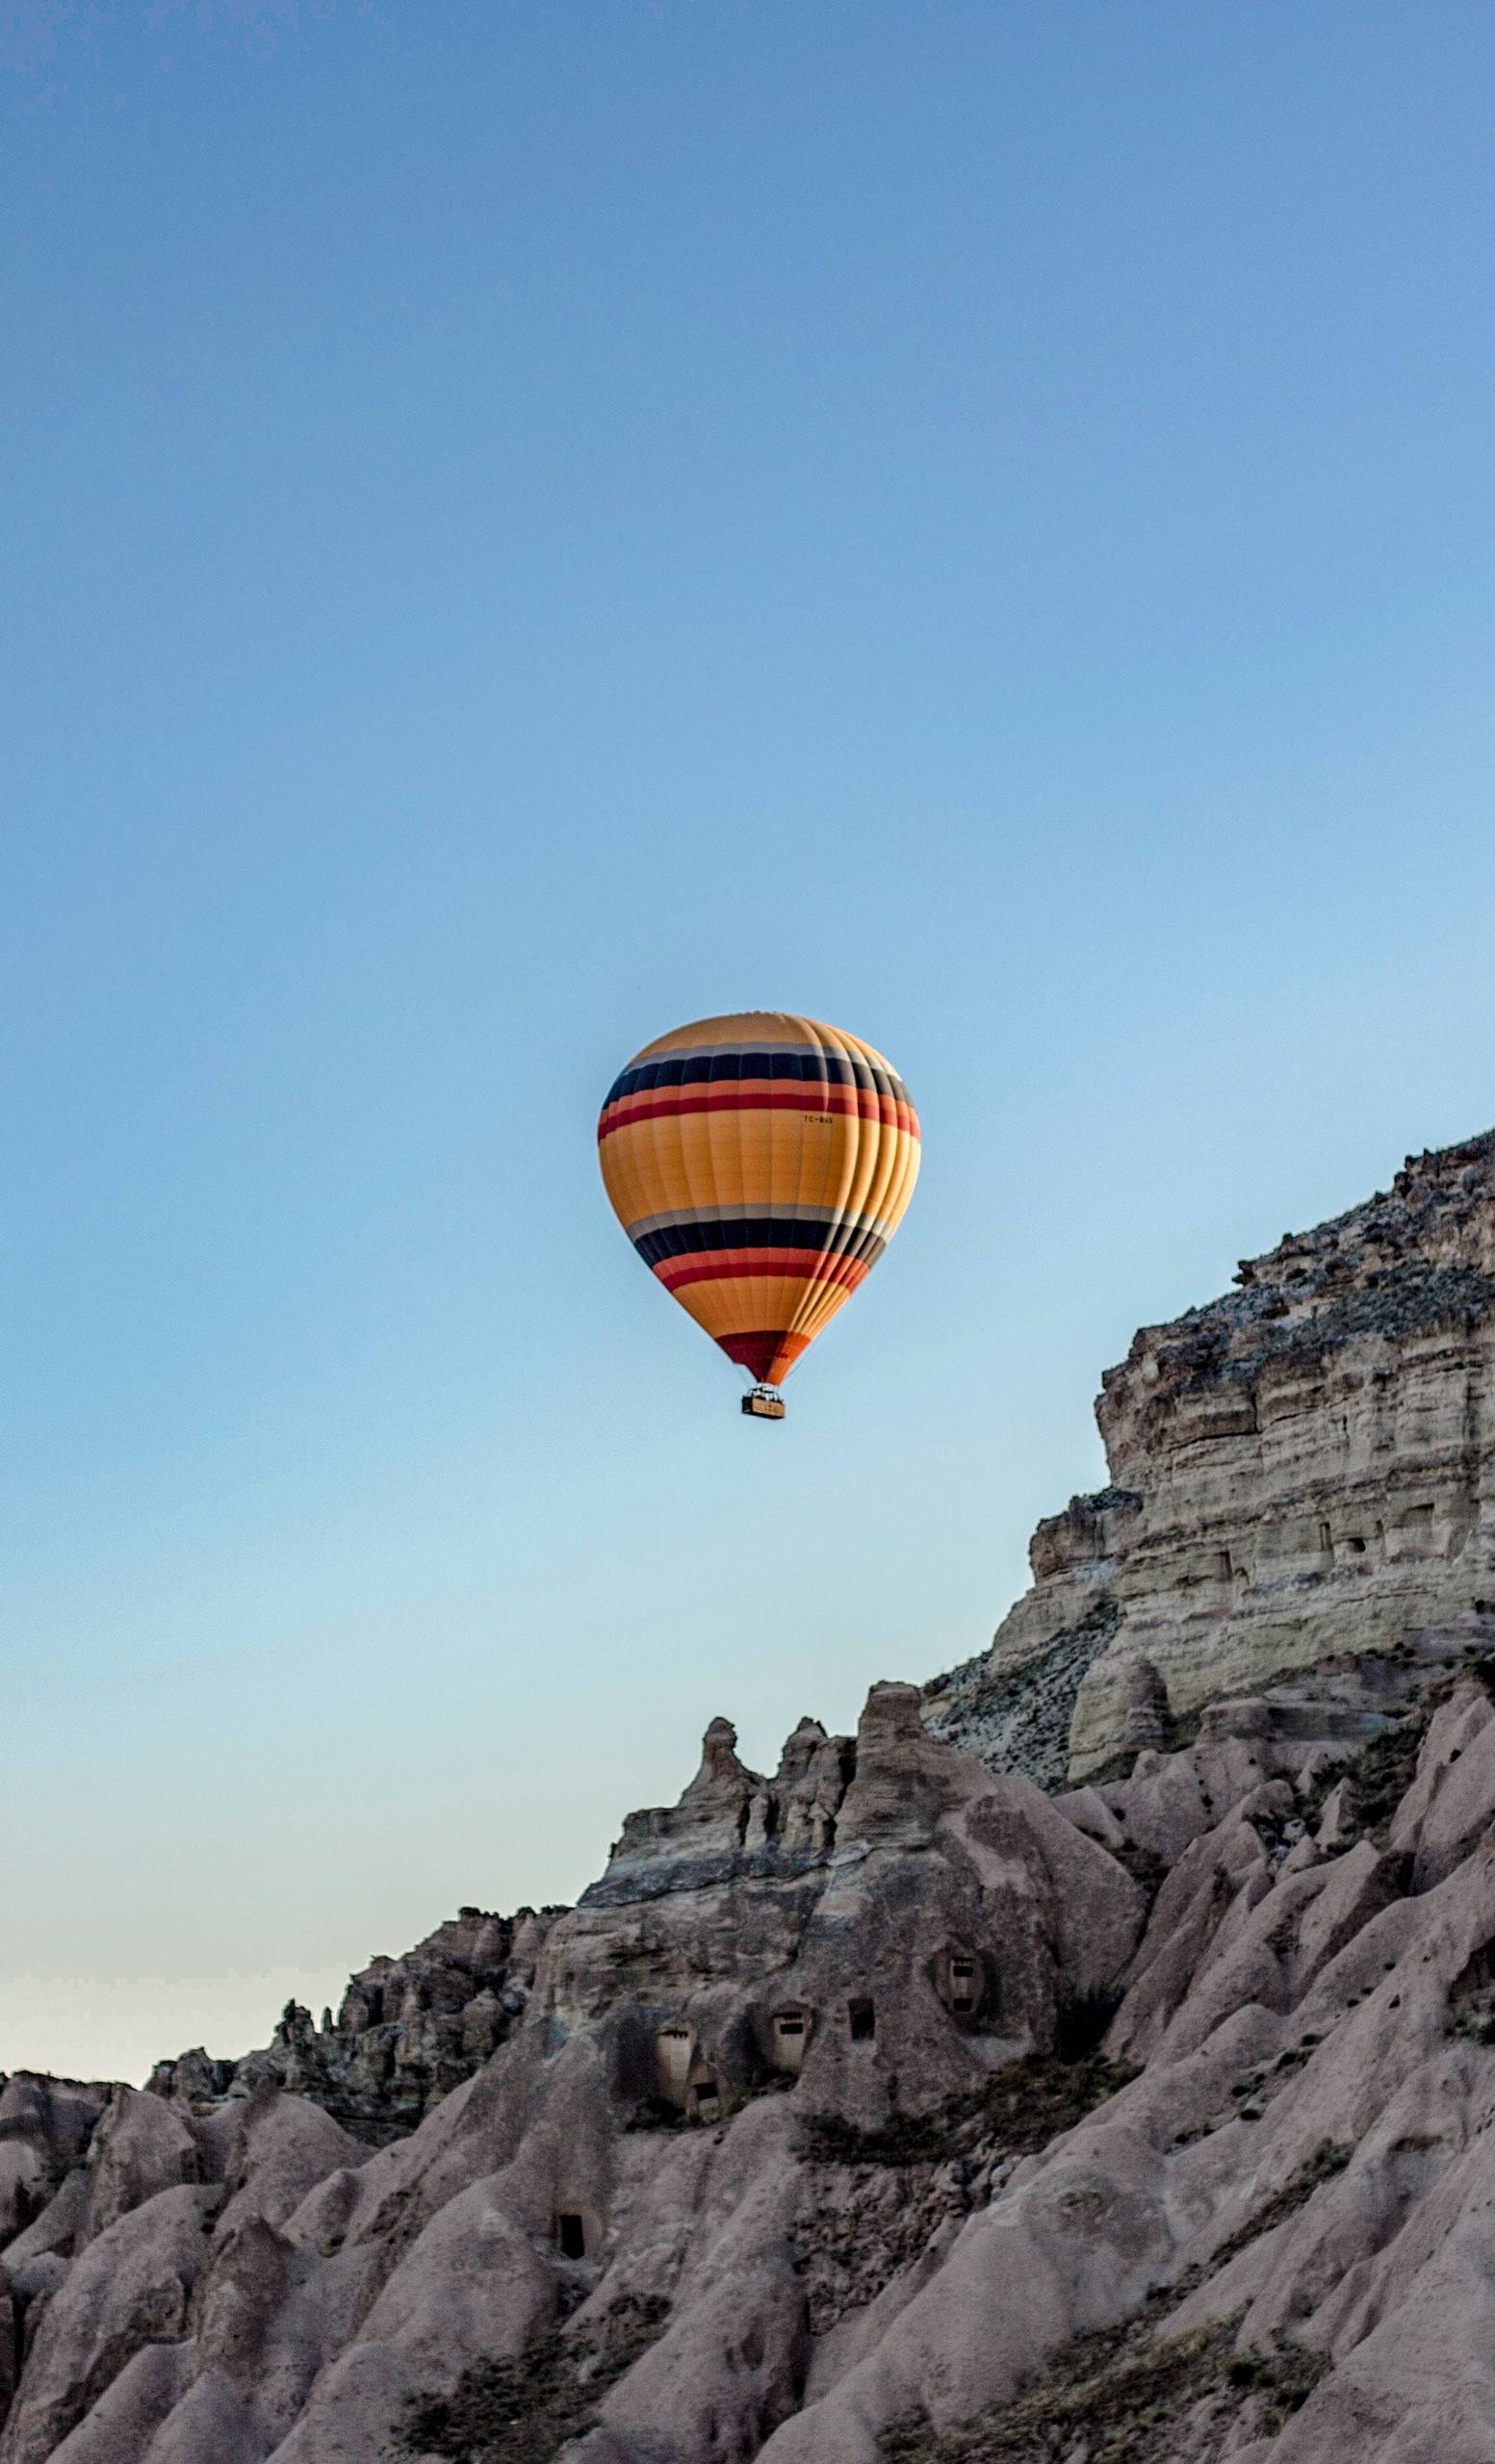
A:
(1302, 1468)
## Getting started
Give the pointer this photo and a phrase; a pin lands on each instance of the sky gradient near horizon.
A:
(528, 525)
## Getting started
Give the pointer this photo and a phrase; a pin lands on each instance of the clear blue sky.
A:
(530, 524)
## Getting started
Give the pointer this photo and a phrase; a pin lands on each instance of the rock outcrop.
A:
(887, 2107)
(407, 2032)
(1304, 1469)
(875, 1933)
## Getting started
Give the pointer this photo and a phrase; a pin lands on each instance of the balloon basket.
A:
(763, 1403)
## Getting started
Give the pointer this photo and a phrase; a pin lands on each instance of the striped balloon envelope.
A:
(760, 1163)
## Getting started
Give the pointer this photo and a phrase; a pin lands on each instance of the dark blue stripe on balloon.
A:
(823, 1239)
(776, 1061)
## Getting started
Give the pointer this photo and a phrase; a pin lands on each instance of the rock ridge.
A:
(1303, 1468)
(981, 2115)
(406, 2032)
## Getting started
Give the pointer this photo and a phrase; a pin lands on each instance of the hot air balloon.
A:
(760, 1163)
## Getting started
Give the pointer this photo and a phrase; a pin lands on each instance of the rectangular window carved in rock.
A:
(674, 2053)
(864, 2020)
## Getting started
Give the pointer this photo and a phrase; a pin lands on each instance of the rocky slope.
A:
(889, 2106)
(1302, 1468)
(883, 2108)
(409, 2030)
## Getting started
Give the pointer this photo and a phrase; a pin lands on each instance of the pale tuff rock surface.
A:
(887, 2108)
(883, 2108)
(870, 1937)
(409, 2030)
(1302, 1468)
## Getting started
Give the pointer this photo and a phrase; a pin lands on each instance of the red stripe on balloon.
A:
(849, 1100)
(763, 1354)
(720, 1266)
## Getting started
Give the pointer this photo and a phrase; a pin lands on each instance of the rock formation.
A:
(888, 2107)
(883, 2108)
(217, 2270)
(1147, 1725)
(877, 2101)
(407, 2032)
(1302, 1468)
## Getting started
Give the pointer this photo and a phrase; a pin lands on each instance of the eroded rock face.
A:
(1304, 1469)
(409, 2030)
(887, 2096)
(722, 1962)
(46, 2126)
(802, 2145)
(876, 1930)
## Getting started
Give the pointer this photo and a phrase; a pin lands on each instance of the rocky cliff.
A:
(883, 2108)
(407, 2032)
(891, 2106)
(1302, 1468)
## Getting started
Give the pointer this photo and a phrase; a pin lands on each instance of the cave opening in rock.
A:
(863, 2018)
(571, 2237)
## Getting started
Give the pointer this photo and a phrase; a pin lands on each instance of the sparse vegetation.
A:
(1017, 2111)
(1379, 1777)
(525, 2410)
(1328, 2158)
(1381, 1774)
(1289, 2376)
(1233, 1341)
(1113, 2397)
(1019, 1719)
(1475, 2019)
(657, 2112)
(1144, 1865)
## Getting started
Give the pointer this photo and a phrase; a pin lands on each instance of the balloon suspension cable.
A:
(763, 1403)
